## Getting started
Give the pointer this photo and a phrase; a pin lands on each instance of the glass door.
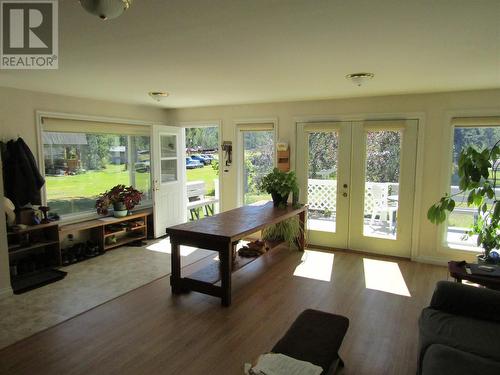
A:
(383, 179)
(358, 183)
(323, 171)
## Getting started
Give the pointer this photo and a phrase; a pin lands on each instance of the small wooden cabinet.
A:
(283, 160)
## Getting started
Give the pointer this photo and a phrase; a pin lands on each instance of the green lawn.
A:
(69, 194)
(206, 174)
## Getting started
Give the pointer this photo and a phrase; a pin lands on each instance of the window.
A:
(80, 166)
(258, 160)
(478, 133)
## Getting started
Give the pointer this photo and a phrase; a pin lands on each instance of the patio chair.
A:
(377, 203)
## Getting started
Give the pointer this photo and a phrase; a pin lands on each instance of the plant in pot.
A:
(279, 184)
(288, 230)
(478, 178)
(122, 198)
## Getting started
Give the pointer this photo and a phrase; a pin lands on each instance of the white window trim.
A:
(447, 159)
(39, 115)
(239, 125)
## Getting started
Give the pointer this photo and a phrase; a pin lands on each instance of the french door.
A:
(358, 180)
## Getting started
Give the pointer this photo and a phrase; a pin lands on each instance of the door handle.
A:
(344, 194)
(345, 186)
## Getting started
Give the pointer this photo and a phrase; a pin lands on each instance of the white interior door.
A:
(169, 177)
(358, 180)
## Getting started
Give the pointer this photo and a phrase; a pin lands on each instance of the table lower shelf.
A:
(211, 275)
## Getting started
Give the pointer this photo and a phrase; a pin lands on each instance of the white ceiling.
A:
(210, 52)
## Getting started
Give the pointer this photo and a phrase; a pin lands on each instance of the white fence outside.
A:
(322, 195)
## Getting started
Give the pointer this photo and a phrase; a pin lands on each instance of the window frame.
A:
(470, 119)
(241, 125)
(40, 115)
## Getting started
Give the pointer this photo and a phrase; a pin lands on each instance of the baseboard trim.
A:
(430, 260)
(6, 292)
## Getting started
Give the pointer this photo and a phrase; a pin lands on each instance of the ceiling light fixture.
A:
(106, 9)
(158, 95)
(360, 78)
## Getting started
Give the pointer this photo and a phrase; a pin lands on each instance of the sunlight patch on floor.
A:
(315, 265)
(385, 276)
(163, 246)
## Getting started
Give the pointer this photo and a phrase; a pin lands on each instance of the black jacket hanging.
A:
(21, 177)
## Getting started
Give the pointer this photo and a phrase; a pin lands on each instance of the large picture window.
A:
(478, 135)
(80, 166)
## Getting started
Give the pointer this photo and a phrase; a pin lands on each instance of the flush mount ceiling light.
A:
(106, 9)
(360, 78)
(158, 95)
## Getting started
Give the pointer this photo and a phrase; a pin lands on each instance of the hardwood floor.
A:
(148, 331)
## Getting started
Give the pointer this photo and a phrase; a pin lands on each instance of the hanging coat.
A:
(21, 177)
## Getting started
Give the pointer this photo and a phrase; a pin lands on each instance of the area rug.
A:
(87, 285)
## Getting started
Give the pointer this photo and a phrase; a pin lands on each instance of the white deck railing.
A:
(322, 194)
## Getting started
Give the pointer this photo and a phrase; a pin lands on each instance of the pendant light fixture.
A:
(106, 9)
(360, 79)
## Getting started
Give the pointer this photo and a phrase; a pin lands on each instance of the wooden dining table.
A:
(221, 233)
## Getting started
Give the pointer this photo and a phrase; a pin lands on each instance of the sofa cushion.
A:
(444, 360)
(480, 337)
(466, 300)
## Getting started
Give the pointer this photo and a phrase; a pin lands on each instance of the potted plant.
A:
(279, 184)
(121, 197)
(478, 177)
(287, 230)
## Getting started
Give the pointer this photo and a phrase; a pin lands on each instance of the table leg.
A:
(175, 277)
(225, 273)
(302, 222)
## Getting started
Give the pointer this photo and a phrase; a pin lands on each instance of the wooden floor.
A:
(147, 331)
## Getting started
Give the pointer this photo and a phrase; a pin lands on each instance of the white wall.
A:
(434, 107)
(17, 118)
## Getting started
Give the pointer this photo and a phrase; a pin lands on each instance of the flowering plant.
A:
(120, 195)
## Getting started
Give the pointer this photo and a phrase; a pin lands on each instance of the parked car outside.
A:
(201, 159)
(192, 164)
(208, 156)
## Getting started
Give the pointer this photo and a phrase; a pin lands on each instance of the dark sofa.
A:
(460, 331)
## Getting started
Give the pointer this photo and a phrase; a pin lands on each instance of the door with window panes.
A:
(169, 186)
(358, 181)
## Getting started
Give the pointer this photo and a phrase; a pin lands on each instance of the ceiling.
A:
(212, 52)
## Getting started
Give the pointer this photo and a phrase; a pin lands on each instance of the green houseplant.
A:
(121, 197)
(478, 177)
(279, 184)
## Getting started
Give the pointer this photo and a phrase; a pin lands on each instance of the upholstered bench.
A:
(315, 337)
